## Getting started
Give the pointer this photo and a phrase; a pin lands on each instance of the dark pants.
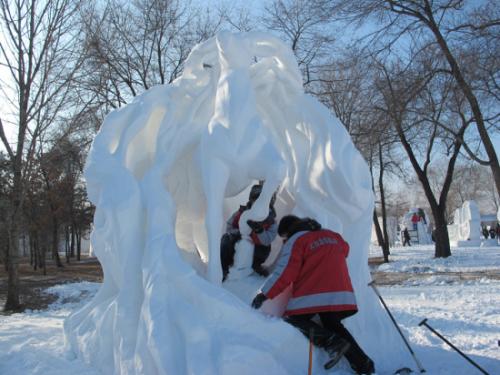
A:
(331, 324)
(260, 254)
(227, 251)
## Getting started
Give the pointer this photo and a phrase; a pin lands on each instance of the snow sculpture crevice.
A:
(160, 171)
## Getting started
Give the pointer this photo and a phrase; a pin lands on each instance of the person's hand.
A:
(258, 300)
(236, 236)
(256, 227)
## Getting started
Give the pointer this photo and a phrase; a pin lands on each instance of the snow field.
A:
(32, 342)
(466, 312)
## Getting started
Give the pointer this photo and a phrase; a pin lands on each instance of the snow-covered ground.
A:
(33, 342)
(420, 259)
(465, 311)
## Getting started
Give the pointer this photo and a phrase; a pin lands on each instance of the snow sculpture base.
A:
(466, 243)
(243, 258)
(159, 172)
(490, 242)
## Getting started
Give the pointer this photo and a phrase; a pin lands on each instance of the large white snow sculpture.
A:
(160, 171)
(466, 227)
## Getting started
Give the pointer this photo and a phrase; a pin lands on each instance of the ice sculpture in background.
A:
(466, 227)
(159, 172)
(418, 225)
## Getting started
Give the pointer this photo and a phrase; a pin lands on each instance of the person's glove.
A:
(258, 300)
(256, 227)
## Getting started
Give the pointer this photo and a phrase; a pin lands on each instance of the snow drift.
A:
(162, 172)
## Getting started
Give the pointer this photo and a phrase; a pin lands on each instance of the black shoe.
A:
(336, 349)
(367, 368)
(261, 271)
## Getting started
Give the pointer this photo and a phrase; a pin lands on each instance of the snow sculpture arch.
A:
(159, 171)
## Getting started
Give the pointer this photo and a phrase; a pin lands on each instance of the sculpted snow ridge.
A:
(161, 170)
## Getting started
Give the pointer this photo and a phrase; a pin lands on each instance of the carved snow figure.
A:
(159, 172)
(466, 227)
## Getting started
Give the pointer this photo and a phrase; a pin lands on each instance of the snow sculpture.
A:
(421, 231)
(159, 172)
(466, 227)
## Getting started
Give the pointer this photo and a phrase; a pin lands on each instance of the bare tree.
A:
(421, 105)
(40, 54)
(134, 46)
(471, 182)
(450, 25)
(347, 88)
(307, 27)
(238, 17)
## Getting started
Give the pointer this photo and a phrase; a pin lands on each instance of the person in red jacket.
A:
(313, 260)
(415, 219)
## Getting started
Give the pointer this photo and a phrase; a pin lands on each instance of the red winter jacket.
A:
(315, 263)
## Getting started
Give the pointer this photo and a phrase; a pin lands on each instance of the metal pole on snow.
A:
(419, 365)
(424, 323)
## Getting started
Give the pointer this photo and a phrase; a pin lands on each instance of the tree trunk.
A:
(36, 256)
(382, 241)
(38, 250)
(72, 252)
(12, 302)
(385, 248)
(32, 254)
(24, 244)
(43, 257)
(442, 249)
(380, 237)
(6, 258)
(55, 243)
(66, 243)
(78, 245)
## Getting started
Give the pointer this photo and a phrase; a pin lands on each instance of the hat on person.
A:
(286, 224)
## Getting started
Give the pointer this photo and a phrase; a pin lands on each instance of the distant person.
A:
(262, 235)
(415, 219)
(406, 237)
(493, 232)
(313, 261)
(421, 216)
(486, 233)
(498, 230)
